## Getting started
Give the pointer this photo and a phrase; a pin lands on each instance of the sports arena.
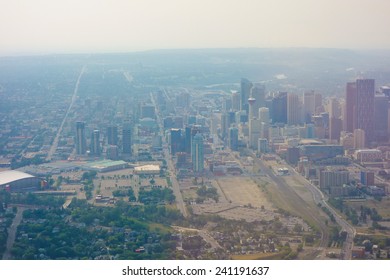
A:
(17, 181)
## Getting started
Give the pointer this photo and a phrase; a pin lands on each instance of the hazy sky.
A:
(57, 26)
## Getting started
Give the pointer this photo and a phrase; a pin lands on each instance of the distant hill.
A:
(291, 69)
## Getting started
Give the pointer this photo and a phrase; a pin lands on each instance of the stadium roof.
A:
(9, 176)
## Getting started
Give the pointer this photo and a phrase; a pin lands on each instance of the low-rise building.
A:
(150, 169)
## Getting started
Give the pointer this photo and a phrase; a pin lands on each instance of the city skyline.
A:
(248, 149)
(43, 26)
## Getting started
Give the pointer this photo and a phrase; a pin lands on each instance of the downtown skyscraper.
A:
(126, 138)
(95, 143)
(359, 107)
(246, 87)
(365, 94)
(293, 109)
(197, 153)
(112, 135)
(350, 107)
(80, 138)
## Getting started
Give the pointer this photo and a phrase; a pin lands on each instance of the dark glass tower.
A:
(80, 138)
(365, 93)
(126, 138)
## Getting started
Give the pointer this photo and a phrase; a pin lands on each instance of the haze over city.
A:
(90, 26)
(183, 130)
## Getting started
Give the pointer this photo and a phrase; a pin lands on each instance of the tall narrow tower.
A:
(254, 124)
(246, 87)
(197, 153)
(126, 138)
(112, 135)
(350, 107)
(365, 94)
(293, 109)
(80, 138)
(251, 102)
(95, 143)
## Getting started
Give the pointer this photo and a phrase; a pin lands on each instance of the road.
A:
(12, 233)
(345, 226)
(171, 168)
(175, 185)
(54, 145)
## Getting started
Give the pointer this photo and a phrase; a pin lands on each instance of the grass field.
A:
(383, 206)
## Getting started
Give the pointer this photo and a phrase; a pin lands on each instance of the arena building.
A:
(17, 181)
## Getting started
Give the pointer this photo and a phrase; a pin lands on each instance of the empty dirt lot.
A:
(243, 191)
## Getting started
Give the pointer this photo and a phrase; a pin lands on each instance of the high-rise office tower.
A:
(325, 119)
(279, 108)
(197, 153)
(233, 138)
(112, 135)
(176, 141)
(318, 103)
(334, 108)
(126, 138)
(254, 133)
(264, 121)
(80, 138)
(335, 122)
(214, 122)
(293, 109)
(264, 115)
(350, 107)
(319, 126)
(224, 125)
(335, 128)
(258, 93)
(381, 115)
(365, 92)
(231, 118)
(246, 87)
(309, 105)
(254, 124)
(251, 102)
(236, 101)
(227, 104)
(187, 139)
(95, 143)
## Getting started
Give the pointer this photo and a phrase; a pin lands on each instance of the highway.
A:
(54, 145)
